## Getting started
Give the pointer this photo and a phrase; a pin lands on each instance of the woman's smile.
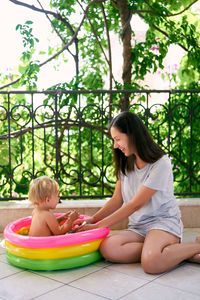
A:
(121, 141)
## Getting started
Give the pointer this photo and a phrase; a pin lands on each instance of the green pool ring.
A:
(53, 264)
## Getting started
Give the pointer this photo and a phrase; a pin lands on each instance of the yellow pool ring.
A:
(23, 230)
(53, 253)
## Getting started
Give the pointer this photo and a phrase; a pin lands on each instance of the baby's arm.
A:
(58, 229)
(64, 216)
(69, 223)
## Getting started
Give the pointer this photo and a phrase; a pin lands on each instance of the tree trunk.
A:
(125, 15)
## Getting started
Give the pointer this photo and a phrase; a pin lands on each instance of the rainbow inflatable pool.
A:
(53, 252)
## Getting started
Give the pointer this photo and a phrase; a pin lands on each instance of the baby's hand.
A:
(64, 216)
(73, 216)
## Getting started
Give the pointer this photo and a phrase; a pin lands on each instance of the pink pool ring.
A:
(51, 241)
(18, 246)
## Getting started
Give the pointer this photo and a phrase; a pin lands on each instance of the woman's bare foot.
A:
(198, 238)
(195, 258)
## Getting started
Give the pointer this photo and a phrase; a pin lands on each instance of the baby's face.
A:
(53, 200)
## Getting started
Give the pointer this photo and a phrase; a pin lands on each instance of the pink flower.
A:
(14, 194)
(165, 140)
(154, 47)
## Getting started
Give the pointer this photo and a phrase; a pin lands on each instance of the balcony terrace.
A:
(56, 123)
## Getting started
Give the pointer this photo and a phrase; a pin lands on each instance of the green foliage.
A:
(178, 127)
(28, 38)
(29, 70)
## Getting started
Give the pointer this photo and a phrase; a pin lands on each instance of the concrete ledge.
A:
(10, 211)
(190, 212)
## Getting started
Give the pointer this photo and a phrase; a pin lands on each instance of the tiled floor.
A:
(102, 280)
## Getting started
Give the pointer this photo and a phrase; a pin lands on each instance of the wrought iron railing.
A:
(63, 134)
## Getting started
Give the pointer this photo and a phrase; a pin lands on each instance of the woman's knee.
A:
(109, 248)
(150, 260)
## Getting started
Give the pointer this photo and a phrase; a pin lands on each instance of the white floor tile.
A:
(2, 251)
(7, 270)
(153, 291)
(102, 280)
(134, 270)
(3, 259)
(2, 247)
(68, 292)
(186, 278)
(25, 286)
(66, 276)
(108, 283)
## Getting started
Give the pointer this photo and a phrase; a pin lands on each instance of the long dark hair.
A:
(139, 136)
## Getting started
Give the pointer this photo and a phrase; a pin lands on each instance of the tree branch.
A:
(96, 36)
(165, 34)
(172, 14)
(59, 35)
(52, 24)
(61, 19)
(48, 12)
(50, 124)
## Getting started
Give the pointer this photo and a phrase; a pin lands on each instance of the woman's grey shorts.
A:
(171, 225)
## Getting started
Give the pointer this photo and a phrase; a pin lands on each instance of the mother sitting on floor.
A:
(144, 193)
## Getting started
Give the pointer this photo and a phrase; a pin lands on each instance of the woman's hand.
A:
(84, 226)
(80, 222)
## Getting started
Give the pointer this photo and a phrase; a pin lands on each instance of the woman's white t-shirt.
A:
(157, 176)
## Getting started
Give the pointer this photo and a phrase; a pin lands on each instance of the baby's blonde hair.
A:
(41, 188)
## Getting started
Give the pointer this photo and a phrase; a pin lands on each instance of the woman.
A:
(144, 193)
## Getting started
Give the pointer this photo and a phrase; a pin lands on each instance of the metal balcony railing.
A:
(63, 134)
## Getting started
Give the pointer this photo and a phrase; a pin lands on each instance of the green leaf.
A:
(29, 22)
